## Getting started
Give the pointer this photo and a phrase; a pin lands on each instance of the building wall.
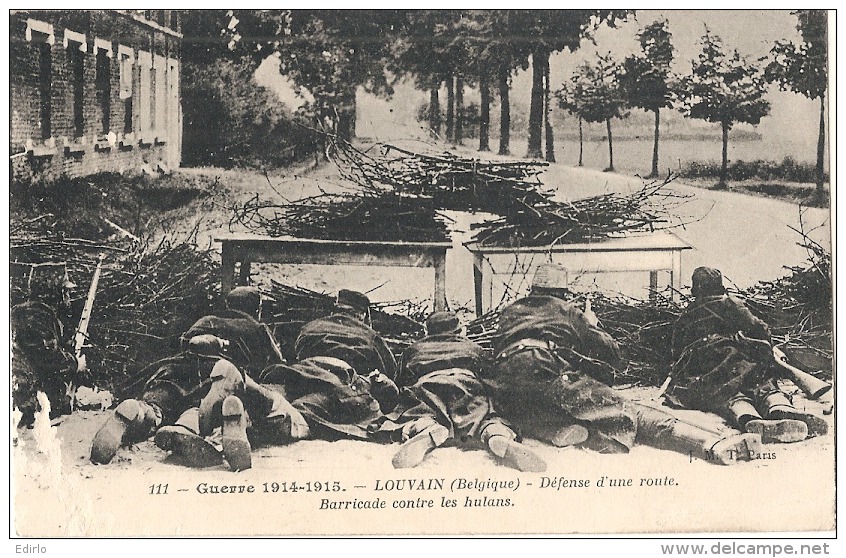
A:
(152, 52)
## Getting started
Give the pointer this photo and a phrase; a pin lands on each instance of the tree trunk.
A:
(821, 153)
(504, 111)
(344, 125)
(435, 111)
(484, 113)
(724, 169)
(581, 143)
(450, 115)
(459, 109)
(610, 146)
(550, 140)
(535, 150)
(346, 121)
(654, 173)
(353, 114)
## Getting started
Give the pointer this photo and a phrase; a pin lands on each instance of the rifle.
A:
(813, 387)
(82, 330)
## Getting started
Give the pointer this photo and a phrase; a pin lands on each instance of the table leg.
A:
(653, 285)
(675, 274)
(477, 282)
(227, 268)
(244, 273)
(440, 282)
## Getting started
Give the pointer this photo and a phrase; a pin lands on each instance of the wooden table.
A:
(653, 253)
(290, 250)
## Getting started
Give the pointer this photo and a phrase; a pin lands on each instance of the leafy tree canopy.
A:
(802, 67)
(647, 80)
(724, 88)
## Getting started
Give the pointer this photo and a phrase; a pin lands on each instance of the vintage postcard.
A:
(421, 272)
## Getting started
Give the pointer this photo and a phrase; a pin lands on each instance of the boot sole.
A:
(415, 450)
(194, 451)
(782, 431)
(817, 426)
(517, 456)
(224, 383)
(236, 445)
(741, 447)
(111, 435)
(570, 436)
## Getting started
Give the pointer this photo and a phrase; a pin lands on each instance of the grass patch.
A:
(788, 170)
(78, 207)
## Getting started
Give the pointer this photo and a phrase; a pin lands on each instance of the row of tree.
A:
(331, 53)
(722, 87)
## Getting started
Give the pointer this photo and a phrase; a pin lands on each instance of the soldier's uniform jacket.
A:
(177, 383)
(40, 361)
(344, 337)
(562, 325)
(719, 315)
(439, 352)
(712, 363)
(441, 375)
(250, 341)
(329, 384)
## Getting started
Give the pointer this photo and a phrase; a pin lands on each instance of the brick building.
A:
(94, 91)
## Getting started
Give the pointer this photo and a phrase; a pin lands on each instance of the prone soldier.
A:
(444, 400)
(724, 363)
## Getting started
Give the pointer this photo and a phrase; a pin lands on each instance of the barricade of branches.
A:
(146, 301)
(552, 222)
(453, 182)
(798, 308)
(148, 295)
(369, 214)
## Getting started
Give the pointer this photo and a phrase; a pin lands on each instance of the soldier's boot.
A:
(183, 439)
(236, 445)
(742, 410)
(502, 442)
(276, 410)
(779, 407)
(226, 380)
(661, 430)
(749, 420)
(414, 450)
(132, 421)
(783, 431)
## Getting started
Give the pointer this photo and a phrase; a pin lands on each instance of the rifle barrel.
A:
(85, 318)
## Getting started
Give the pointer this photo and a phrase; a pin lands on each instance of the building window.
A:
(146, 94)
(103, 83)
(41, 35)
(174, 20)
(75, 47)
(126, 60)
(45, 87)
